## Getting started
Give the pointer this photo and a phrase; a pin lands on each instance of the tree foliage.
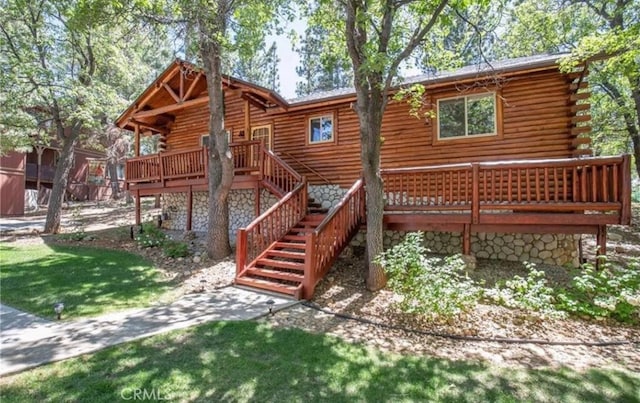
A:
(67, 71)
(604, 33)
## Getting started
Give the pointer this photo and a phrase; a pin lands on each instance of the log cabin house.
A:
(498, 167)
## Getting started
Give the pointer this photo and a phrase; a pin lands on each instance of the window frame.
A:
(203, 136)
(497, 114)
(334, 125)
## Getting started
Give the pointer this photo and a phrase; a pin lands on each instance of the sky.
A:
(289, 59)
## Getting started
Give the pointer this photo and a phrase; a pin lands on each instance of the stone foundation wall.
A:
(327, 195)
(241, 210)
(557, 249)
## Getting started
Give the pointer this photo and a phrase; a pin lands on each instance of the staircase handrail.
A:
(318, 174)
(276, 174)
(326, 242)
(270, 226)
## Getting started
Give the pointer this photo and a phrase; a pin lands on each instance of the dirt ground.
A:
(495, 334)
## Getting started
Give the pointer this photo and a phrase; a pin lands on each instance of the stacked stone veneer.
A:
(327, 195)
(557, 249)
(241, 210)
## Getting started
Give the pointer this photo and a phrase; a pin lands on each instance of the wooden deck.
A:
(288, 249)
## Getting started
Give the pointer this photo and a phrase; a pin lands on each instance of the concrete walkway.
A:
(27, 341)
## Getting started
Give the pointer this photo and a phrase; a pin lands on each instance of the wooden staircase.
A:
(290, 247)
(280, 268)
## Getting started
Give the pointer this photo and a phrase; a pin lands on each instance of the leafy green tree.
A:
(322, 66)
(606, 35)
(258, 67)
(66, 70)
(380, 36)
(212, 22)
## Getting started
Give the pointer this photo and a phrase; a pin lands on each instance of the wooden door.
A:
(264, 134)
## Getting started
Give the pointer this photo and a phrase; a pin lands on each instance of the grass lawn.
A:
(249, 361)
(89, 281)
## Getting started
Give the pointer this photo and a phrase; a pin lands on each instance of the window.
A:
(321, 129)
(468, 116)
(204, 139)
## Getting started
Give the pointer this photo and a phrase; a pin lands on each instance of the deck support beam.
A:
(137, 207)
(466, 240)
(189, 208)
(601, 243)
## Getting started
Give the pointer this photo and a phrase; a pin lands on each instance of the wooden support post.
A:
(137, 207)
(475, 197)
(189, 207)
(466, 240)
(247, 120)
(257, 198)
(241, 251)
(601, 242)
(308, 283)
(625, 190)
(137, 140)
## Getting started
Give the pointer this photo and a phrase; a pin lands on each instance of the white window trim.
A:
(267, 126)
(333, 131)
(466, 129)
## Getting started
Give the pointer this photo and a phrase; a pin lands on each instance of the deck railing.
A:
(184, 164)
(271, 226)
(191, 163)
(143, 169)
(599, 184)
(277, 174)
(246, 155)
(324, 244)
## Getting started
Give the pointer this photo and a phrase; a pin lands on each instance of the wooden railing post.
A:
(241, 251)
(161, 159)
(625, 190)
(475, 197)
(309, 266)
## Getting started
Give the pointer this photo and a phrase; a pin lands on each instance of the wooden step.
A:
(285, 254)
(299, 238)
(283, 264)
(277, 274)
(312, 219)
(289, 245)
(298, 229)
(270, 286)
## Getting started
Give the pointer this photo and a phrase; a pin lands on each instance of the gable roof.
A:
(171, 91)
(182, 85)
(468, 72)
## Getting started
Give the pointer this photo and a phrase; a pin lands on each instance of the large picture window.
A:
(468, 116)
(321, 129)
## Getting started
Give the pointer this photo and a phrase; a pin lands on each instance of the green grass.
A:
(249, 361)
(89, 281)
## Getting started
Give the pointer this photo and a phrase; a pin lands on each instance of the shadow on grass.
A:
(89, 281)
(248, 361)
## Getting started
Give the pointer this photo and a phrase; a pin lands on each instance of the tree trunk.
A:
(220, 159)
(113, 174)
(370, 111)
(61, 178)
(634, 133)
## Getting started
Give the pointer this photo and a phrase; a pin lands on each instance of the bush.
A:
(150, 236)
(607, 293)
(175, 249)
(435, 287)
(531, 293)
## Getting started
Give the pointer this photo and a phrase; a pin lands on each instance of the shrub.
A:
(150, 236)
(435, 287)
(175, 248)
(607, 293)
(528, 293)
